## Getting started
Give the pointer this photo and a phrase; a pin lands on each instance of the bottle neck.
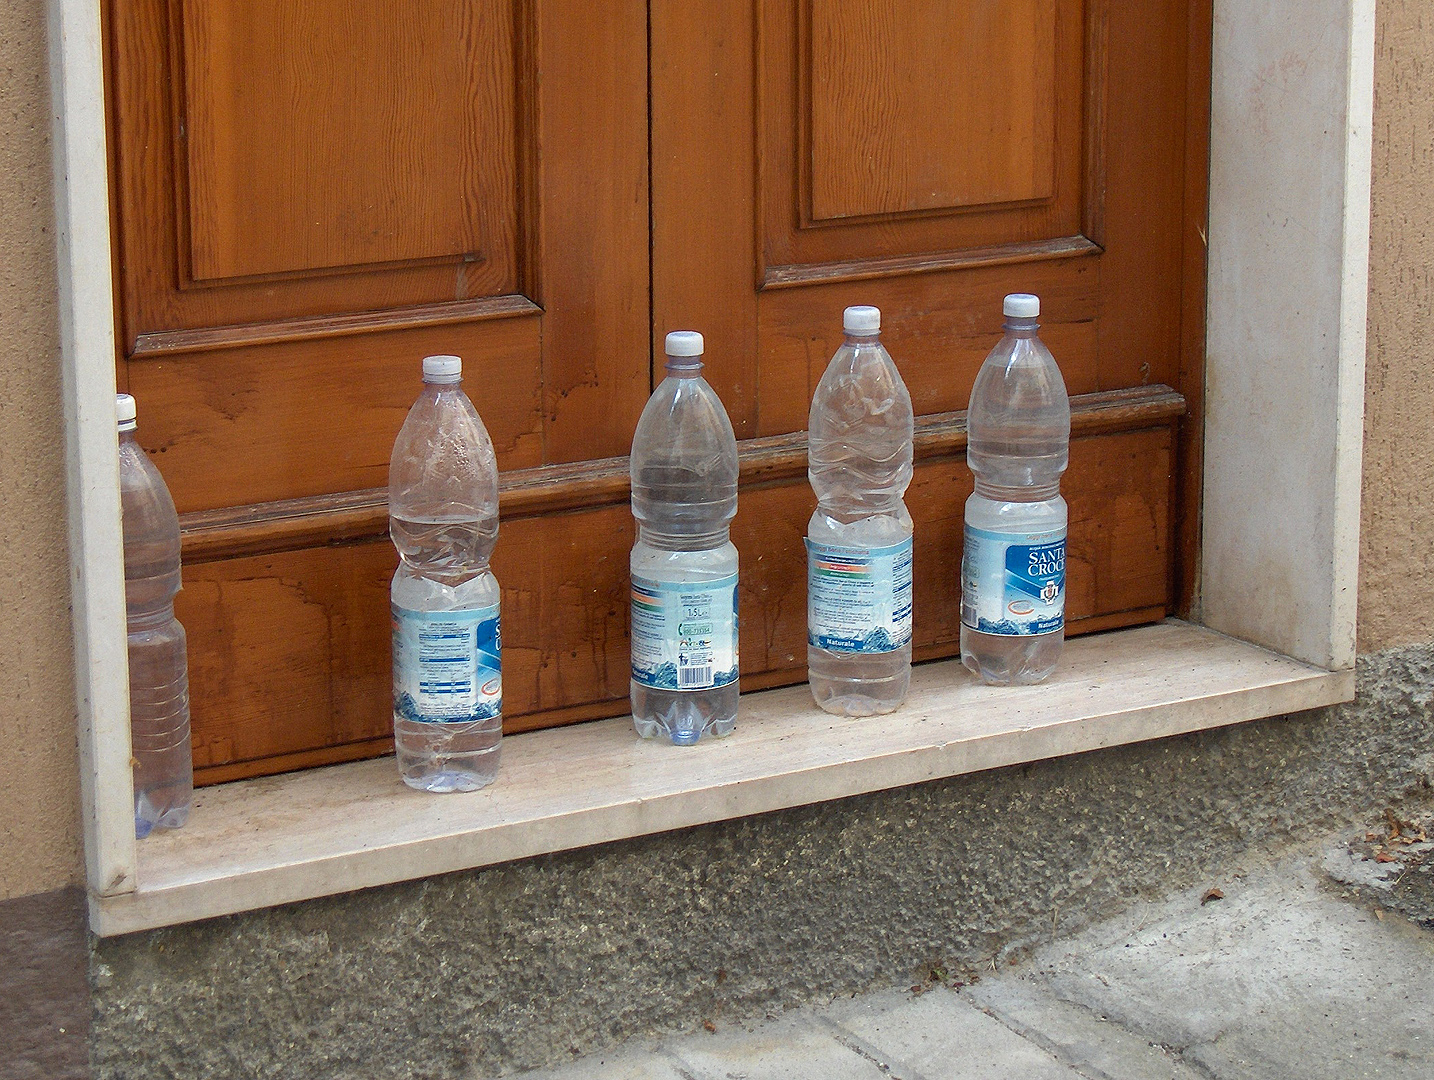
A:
(856, 341)
(683, 367)
(1020, 328)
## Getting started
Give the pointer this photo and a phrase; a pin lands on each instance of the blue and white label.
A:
(684, 633)
(1014, 584)
(447, 665)
(859, 599)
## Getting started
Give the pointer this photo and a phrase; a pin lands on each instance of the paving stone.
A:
(1096, 1048)
(1279, 980)
(625, 1063)
(938, 1036)
(790, 1049)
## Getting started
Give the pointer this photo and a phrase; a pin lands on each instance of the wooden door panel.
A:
(919, 129)
(290, 419)
(399, 178)
(266, 700)
(906, 114)
(937, 326)
(403, 146)
(286, 161)
(312, 196)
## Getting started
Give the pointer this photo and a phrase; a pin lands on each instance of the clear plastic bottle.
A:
(158, 667)
(859, 539)
(684, 565)
(1013, 570)
(447, 650)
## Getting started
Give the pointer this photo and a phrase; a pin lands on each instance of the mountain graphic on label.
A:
(1050, 592)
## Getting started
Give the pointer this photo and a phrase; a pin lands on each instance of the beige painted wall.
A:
(1396, 571)
(39, 826)
(39, 788)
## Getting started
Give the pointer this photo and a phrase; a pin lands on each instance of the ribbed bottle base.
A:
(684, 716)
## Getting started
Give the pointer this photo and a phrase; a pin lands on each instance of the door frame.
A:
(1271, 410)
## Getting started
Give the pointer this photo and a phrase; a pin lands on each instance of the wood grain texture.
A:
(927, 105)
(156, 143)
(291, 648)
(704, 210)
(787, 277)
(385, 135)
(267, 528)
(1143, 283)
(594, 232)
(310, 417)
(790, 145)
(938, 328)
(172, 342)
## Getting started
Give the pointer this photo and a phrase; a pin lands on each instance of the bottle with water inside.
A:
(859, 539)
(443, 518)
(684, 565)
(158, 668)
(1013, 570)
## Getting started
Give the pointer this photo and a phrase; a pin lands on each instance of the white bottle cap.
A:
(125, 412)
(684, 343)
(1021, 305)
(442, 367)
(861, 319)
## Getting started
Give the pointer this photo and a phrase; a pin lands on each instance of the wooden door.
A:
(928, 157)
(311, 195)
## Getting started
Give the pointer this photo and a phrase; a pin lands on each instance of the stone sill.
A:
(259, 843)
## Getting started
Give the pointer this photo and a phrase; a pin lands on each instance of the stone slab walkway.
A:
(1290, 975)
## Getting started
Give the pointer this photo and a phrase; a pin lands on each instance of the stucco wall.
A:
(1396, 585)
(39, 807)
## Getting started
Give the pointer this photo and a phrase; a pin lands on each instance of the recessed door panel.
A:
(313, 143)
(930, 106)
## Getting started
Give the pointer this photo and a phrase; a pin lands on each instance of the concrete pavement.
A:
(1291, 974)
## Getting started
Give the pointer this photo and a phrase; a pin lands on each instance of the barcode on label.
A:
(690, 677)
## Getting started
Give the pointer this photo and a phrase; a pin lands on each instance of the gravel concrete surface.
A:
(1289, 971)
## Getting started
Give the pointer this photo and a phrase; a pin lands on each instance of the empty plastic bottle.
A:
(859, 539)
(684, 566)
(447, 651)
(158, 667)
(1013, 571)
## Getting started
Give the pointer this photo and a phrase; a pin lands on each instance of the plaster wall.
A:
(1396, 585)
(39, 785)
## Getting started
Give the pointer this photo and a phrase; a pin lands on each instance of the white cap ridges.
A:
(1021, 305)
(125, 412)
(684, 343)
(861, 319)
(442, 368)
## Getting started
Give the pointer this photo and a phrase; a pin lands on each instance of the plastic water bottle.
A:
(443, 518)
(684, 566)
(158, 668)
(1013, 571)
(859, 539)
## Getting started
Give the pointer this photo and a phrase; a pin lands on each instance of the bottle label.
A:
(447, 665)
(1014, 584)
(859, 599)
(684, 634)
